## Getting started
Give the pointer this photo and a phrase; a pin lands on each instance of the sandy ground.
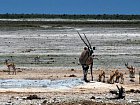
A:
(59, 48)
(75, 94)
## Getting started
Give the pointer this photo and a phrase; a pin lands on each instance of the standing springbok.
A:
(101, 76)
(118, 76)
(10, 65)
(131, 72)
(86, 58)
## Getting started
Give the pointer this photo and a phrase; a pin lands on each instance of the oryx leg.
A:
(91, 71)
(85, 72)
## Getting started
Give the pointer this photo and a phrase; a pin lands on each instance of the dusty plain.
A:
(59, 47)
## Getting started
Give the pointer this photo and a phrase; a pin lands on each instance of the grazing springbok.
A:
(131, 72)
(87, 58)
(10, 65)
(101, 76)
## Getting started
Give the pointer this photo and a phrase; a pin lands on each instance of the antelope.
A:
(10, 65)
(131, 71)
(111, 79)
(102, 74)
(37, 59)
(118, 76)
(89, 56)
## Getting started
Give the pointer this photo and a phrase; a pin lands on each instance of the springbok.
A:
(131, 71)
(118, 76)
(89, 60)
(101, 75)
(37, 59)
(10, 65)
(112, 76)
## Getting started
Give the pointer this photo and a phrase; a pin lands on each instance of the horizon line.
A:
(59, 14)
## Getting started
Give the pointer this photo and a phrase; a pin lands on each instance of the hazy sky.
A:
(70, 6)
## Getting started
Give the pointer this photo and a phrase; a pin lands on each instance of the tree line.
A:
(67, 16)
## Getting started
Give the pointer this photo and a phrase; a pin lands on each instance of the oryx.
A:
(86, 58)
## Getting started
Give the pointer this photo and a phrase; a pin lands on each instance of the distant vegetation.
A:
(130, 20)
(66, 16)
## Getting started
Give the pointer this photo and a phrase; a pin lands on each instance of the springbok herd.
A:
(115, 76)
(112, 79)
(119, 76)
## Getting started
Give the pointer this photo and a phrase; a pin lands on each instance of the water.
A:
(55, 84)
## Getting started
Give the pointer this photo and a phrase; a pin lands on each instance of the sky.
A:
(70, 6)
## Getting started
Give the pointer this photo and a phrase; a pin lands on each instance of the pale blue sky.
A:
(70, 6)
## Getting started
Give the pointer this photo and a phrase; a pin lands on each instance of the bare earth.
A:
(59, 48)
(76, 94)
